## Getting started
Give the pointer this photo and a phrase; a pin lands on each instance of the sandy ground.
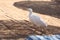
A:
(14, 21)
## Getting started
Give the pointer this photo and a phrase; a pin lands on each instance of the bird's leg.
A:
(45, 31)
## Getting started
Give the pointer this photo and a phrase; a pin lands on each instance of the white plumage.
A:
(36, 19)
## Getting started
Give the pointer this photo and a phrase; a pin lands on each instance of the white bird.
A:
(38, 21)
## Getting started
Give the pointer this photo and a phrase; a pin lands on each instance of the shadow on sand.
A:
(10, 29)
(47, 8)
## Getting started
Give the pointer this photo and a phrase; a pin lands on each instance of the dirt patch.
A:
(19, 28)
(47, 8)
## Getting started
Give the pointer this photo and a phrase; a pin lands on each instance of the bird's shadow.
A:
(10, 29)
(47, 8)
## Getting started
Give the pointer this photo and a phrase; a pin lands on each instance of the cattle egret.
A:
(36, 19)
(39, 22)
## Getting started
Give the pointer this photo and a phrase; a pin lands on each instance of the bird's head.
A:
(30, 9)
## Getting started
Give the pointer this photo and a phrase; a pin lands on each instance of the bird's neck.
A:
(30, 13)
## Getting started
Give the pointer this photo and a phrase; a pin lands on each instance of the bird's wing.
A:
(37, 20)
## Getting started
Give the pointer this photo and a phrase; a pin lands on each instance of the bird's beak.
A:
(28, 9)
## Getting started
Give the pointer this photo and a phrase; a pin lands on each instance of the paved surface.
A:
(45, 37)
